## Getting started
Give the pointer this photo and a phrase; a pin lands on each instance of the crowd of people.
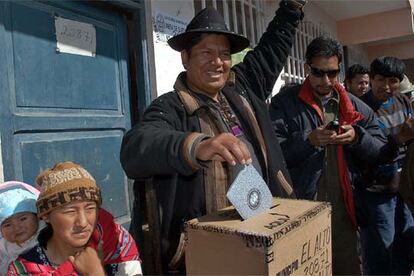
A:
(349, 145)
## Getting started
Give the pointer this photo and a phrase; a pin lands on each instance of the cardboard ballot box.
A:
(292, 238)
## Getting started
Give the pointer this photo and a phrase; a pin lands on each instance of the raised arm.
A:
(262, 66)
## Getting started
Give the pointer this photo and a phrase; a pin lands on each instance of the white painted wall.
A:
(319, 17)
(167, 61)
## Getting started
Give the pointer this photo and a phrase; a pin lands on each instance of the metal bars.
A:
(244, 17)
(247, 17)
(294, 69)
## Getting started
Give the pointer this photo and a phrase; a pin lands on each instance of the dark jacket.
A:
(293, 121)
(156, 146)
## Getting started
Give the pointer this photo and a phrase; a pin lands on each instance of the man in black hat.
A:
(194, 140)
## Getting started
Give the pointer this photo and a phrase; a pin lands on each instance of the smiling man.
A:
(196, 138)
(323, 132)
(357, 80)
(383, 245)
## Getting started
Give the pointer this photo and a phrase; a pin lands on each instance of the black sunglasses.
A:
(319, 73)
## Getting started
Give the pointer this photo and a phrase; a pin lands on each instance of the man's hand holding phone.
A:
(332, 133)
(347, 135)
(321, 136)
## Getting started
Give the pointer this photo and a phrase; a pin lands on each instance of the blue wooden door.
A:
(59, 106)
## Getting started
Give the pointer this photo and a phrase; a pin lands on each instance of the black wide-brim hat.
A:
(208, 20)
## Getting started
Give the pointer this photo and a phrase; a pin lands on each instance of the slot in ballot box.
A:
(292, 238)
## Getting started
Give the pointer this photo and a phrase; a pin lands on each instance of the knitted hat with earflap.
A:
(65, 183)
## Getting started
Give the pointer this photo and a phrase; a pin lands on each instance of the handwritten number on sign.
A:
(78, 34)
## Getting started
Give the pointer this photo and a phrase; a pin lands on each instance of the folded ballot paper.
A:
(249, 193)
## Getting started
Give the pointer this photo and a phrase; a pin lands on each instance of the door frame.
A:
(141, 67)
(139, 15)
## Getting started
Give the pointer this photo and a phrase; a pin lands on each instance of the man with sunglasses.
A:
(323, 130)
(383, 240)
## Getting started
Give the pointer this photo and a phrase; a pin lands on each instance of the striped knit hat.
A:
(65, 183)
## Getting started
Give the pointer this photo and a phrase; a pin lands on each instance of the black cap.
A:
(208, 20)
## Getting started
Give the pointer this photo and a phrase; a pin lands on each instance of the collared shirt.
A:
(329, 107)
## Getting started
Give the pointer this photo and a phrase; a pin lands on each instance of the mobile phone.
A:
(333, 125)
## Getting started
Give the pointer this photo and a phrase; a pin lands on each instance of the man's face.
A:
(358, 85)
(74, 223)
(208, 64)
(323, 73)
(384, 88)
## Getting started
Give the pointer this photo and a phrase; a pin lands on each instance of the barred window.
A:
(247, 17)
(294, 71)
(244, 17)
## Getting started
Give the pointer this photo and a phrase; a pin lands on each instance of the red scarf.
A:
(347, 116)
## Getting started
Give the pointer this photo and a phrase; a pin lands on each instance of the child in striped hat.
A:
(18, 221)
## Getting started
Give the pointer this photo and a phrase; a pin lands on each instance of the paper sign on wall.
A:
(75, 37)
(167, 26)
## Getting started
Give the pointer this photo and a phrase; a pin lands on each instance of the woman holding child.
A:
(79, 237)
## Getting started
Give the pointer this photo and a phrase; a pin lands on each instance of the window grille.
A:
(247, 17)
(294, 70)
(244, 17)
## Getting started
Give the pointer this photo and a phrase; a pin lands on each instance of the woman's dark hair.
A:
(387, 67)
(356, 69)
(323, 46)
(45, 235)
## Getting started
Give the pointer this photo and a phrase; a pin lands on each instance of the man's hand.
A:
(224, 147)
(348, 136)
(87, 262)
(406, 131)
(321, 136)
